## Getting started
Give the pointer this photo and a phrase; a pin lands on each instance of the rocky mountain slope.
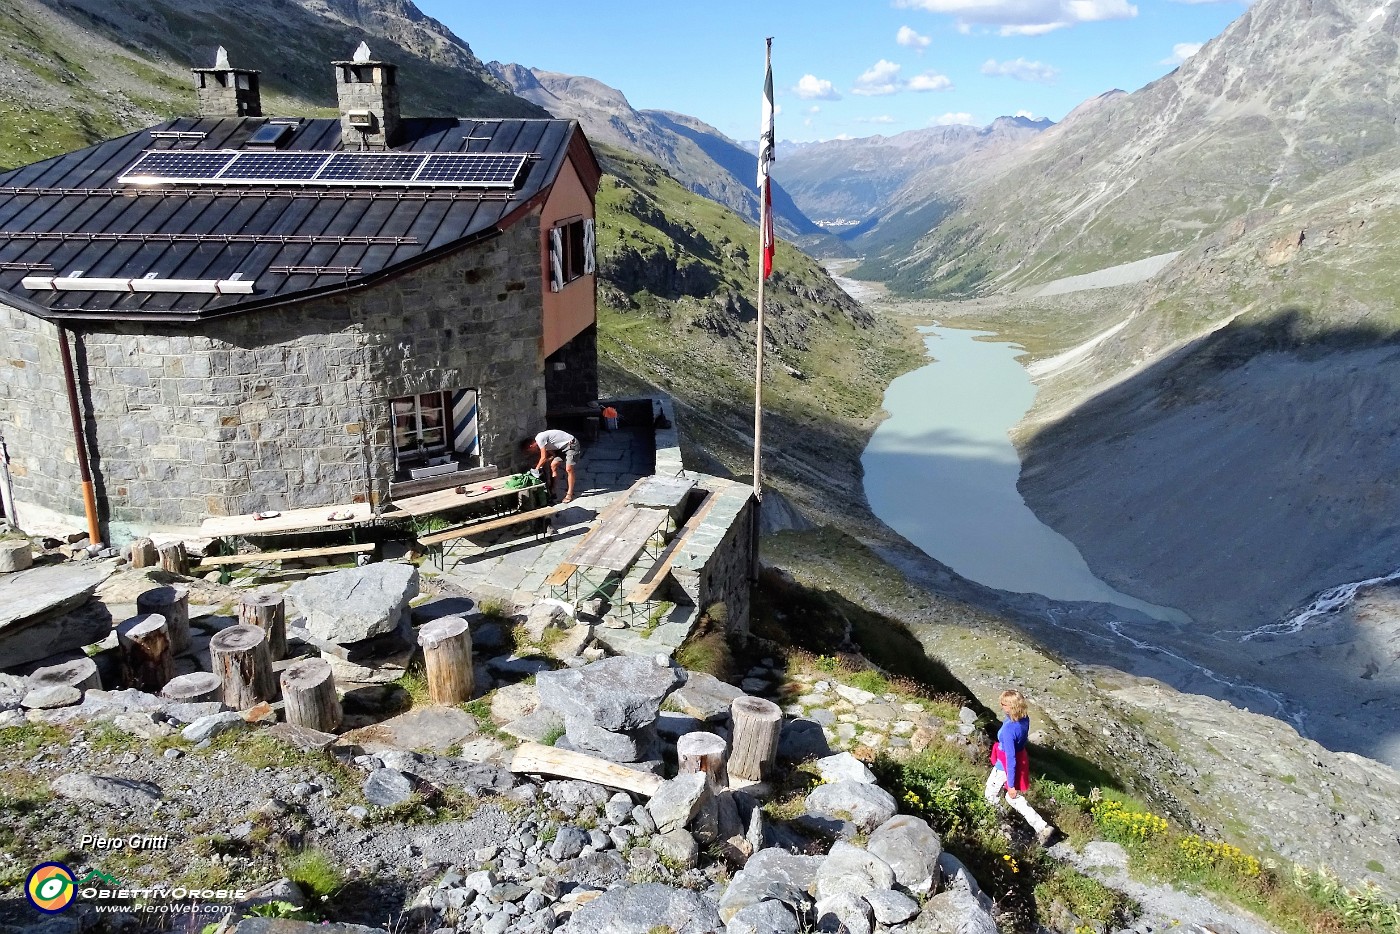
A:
(699, 156)
(84, 70)
(1288, 95)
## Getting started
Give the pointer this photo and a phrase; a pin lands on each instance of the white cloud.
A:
(912, 40)
(883, 118)
(1027, 114)
(814, 109)
(1025, 17)
(1181, 52)
(950, 119)
(1021, 70)
(879, 79)
(812, 88)
(930, 81)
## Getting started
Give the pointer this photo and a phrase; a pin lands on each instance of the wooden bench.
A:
(491, 525)
(253, 557)
(652, 581)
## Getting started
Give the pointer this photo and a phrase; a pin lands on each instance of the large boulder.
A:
(121, 793)
(642, 909)
(912, 849)
(357, 603)
(705, 697)
(772, 873)
(849, 869)
(434, 728)
(844, 767)
(956, 911)
(614, 694)
(44, 610)
(864, 806)
(766, 917)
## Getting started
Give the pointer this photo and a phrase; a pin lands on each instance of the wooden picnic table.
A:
(292, 520)
(618, 539)
(484, 491)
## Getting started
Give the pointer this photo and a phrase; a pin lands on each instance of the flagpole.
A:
(766, 152)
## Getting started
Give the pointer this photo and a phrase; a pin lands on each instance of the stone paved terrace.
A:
(712, 566)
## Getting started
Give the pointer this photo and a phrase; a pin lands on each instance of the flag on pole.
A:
(765, 162)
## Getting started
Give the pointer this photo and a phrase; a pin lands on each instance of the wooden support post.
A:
(308, 688)
(447, 655)
(194, 688)
(240, 658)
(80, 673)
(174, 559)
(267, 611)
(147, 662)
(144, 554)
(174, 604)
(703, 752)
(756, 723)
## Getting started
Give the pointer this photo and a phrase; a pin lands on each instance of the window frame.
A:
(420, 451)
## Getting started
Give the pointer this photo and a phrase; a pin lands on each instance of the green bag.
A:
(518, 481)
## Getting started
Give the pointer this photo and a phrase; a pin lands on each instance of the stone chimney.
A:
(368, 92)
(225, 91)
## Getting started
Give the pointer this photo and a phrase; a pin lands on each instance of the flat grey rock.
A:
(892, 907)
(190, 712)
(802, 739)
(356, 603)
(640, 909)
(678, 846)
(849, 869)
(844, 767)
(303, 738)
(55, 695)
(387, 787)
(705, 697)
(766, 917)
(623, 746)
(212, 725)
(615, 694)
(912, 849)
(535, 726)
(434, 728)
(844, 914)
(102, 789)
(868, 806)
(46, 609)
(958, 910)
(475, 777)
(678, 800)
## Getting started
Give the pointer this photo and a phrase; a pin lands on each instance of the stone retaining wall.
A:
(274, 409)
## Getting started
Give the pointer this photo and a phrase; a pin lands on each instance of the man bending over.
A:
(552, 445)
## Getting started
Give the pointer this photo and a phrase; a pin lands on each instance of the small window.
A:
(420, 426)
(571, 252)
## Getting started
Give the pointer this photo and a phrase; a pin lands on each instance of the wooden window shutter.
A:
(590, 264)
(556, 259)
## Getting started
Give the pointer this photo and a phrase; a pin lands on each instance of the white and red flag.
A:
(765, 163)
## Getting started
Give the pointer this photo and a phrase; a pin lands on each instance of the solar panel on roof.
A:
(487, 169)
(288, 166)
(372, 167)
(410, 169)
(170, 164)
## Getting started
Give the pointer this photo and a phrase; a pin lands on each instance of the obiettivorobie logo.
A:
(51, 887)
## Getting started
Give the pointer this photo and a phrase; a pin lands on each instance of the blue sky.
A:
(842, 67)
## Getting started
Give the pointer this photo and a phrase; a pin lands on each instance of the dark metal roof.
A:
(70, 214)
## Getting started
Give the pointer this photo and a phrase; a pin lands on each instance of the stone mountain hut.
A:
(261, 313)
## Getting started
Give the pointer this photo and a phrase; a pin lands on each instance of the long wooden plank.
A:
(653, 579)
(252, 557)
(534, 759)
(295, 520)
(476, 528)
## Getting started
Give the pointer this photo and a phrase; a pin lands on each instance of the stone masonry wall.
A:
(577, 384)
(275, 409)
(716, 561)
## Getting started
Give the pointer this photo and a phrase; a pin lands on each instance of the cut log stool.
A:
(240, 658)
(308, 689)
(174, 604)
(147, 662)
(194, 688)
(267, 611)
(174, 559)
(80, 673)
(703, 752)
(447, 655)
(756, 724)
(144, 554)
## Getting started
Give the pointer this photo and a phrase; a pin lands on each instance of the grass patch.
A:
(552, 736)
(415, 684)
(494, 609)
(24, 741)
(316, 871)
(1066, 890)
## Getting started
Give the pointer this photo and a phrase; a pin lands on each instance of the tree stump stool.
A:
(447, 655)
(308, 690)
(267, 611)
(239, 656)
(147, 662)
(703, 752)
(144, 554)
(174, 604)
(194, 688)
(80, 673)
(756, 724)
(174, 559)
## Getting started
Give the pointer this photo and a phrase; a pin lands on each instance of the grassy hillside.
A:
(679, 310)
